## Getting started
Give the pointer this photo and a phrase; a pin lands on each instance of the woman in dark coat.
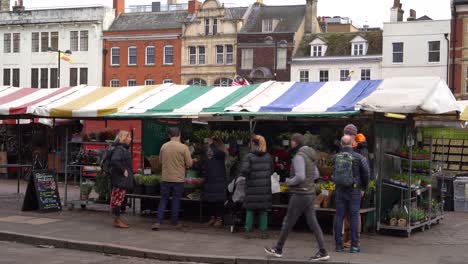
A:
(215, 180)
(121, 174)
(257, 167)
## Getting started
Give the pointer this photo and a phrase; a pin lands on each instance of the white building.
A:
(338, 57)
(26, 36)
(417, 47)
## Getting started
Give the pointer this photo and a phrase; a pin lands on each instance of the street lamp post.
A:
(282, 43)
(59, 52)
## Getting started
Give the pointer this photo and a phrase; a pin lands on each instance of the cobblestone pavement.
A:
(13, 253)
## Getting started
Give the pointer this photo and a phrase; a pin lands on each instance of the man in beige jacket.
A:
(175, 159)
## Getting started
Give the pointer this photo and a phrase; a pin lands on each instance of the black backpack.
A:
(343, 172)
(106, 160)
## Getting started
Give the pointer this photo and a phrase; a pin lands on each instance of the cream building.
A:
(209, 43)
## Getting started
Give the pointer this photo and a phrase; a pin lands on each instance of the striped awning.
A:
(170, 100)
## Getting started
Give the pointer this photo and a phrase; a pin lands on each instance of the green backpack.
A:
(343, 172)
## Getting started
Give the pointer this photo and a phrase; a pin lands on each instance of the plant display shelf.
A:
(404, 186)
(395, 155)
(417, 225)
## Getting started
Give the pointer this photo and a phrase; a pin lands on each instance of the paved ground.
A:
(446, 243)
(14, 253)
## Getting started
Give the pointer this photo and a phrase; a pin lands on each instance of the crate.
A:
(460, 188)
(460, 205)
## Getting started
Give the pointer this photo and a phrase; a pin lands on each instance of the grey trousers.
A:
(300, 204)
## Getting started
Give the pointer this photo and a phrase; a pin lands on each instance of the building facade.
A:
(143, 48)
(417, 47)
(29, 35)
(269, 39)
(338, 57)
(209, 40)
(459, 49)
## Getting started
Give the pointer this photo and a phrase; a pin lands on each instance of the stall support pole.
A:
(66, 165)
(19, 154)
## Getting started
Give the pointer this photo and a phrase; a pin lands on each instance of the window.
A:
(219, 54)
(168, 81)
(215, 26)
(168, 55)
(7, 43)
(229, 54)
(44, 78)
(44, 42)
(323, 76)
(35, 78)
(247, 59)
(132, 56)
(398, 52)
(317, 51)
(434, 51)
(201, 55)
(365, 74)
(192, 55)
(207, 26)
(83, 75)
(131, 82)
(225, 82)
(358, 49)
(53, 78)
(74, 40)
(150, 59)
(304, 76)
(16, 42)
(115, 56)
(84, 40)
(344, 75)
(197, 81)
(114, 83)
(267, 25)
(6, 77)
(16, 77)
(73, 76)
(281, 61)
(35, 43)
(149, 82)
(54, 39)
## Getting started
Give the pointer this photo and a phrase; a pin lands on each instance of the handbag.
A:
(275, 185)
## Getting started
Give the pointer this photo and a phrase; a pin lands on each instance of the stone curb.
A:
(114, 249)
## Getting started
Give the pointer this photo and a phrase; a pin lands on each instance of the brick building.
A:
(269, 29)
(143, 48)
(458, 77)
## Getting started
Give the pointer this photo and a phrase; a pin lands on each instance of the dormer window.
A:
(318, 48)
(267, 25)
(358, 46)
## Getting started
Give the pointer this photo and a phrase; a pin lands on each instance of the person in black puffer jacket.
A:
(257, 167)
(215, 180)
(121, 174)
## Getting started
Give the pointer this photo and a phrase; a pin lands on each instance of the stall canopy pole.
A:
(66, 164)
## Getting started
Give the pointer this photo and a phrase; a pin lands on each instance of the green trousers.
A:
(249, 219)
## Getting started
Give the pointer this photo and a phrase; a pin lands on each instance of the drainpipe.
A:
(448, 55)
(454, 12)
(104, 67)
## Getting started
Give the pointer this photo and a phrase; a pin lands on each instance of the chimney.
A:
(193, 6)
(172, 2)
(412, 16)
(4, 5)
(18, 7)
(396, 13)
(260, 2)
(311, 17)
(119, 7)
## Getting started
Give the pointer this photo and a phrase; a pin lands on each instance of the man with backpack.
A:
(351, 177)
(301, 184)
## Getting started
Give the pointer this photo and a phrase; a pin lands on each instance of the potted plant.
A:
(368, 195)
(85, 190)
(92, 137)
(285, 138)
(417, 216)
(393, 216)
(402, 218)
(102, 187)
(151, 185)
(139, 184)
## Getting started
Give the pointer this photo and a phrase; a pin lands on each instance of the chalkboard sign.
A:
(42, 192)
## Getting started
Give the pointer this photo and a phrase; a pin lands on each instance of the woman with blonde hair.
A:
(257, 167)
(121, 174)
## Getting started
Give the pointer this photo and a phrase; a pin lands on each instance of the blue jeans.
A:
(351, 202)
(177, 189)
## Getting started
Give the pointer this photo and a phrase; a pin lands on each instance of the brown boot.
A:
(212, 221)
(218, 222)
(119, 223)
(124, 221)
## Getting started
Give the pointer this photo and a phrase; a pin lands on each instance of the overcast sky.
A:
(372, 12)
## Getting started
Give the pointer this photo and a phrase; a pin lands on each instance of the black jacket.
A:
(215, 176)
(257, 168)
(363, 150)
(121, 160)
(361, 170)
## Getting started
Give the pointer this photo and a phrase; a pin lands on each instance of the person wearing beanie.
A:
(350, 130)
(301, 184)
